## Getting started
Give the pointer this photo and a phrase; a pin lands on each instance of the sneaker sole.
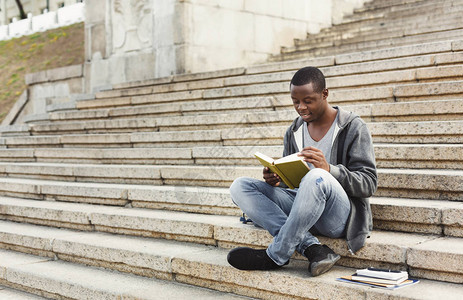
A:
(323, 266)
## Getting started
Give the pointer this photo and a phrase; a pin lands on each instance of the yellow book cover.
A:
(290, 168)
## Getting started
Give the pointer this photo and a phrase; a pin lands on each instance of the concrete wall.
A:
(238, 33)
(54, 87)
(119, 42)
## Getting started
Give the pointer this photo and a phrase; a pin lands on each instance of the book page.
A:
(289, 158)
(264, 159)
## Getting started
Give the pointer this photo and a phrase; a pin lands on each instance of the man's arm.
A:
(358, 177)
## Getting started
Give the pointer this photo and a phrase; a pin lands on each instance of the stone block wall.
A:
(46, 88)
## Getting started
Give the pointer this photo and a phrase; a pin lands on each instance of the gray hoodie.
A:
(353, 164)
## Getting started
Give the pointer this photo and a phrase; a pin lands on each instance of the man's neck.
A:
(317, 129)
(327, 119)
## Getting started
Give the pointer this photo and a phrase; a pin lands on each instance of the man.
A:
(332, 199)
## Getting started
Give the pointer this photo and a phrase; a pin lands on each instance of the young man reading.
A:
(332, 199)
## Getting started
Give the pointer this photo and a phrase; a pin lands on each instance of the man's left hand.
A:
(315, 157)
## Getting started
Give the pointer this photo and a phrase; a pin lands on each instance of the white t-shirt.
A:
(324, 144)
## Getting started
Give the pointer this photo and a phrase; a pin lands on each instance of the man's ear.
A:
(325, 93)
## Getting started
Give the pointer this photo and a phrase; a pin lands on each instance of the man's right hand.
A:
(271, 178)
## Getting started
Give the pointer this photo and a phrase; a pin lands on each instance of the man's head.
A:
(309, 93)
(309, 75)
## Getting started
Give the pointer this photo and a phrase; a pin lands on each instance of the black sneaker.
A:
(321, 259)
(244, 258)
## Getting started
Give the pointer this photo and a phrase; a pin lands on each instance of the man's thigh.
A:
(334, 218)
(257, 192)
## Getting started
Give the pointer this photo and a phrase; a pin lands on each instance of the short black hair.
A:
(308, 75)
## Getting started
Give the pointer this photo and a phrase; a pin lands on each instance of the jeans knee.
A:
(239, 185)
(315, 177)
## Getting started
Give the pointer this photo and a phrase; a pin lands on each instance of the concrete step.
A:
(384, 29)
(343, 39)
(414, 19)
(362, 56)
(447, 132)
(177, 198)
(397, 17)
(127, 140)
(420, 156)
(255, 104)
(447, 16)
(383, 33)
(184, 108)
(128, 174)
(416, 253)
(389, 5)
(14, 130)
(205, 76)
(144, 156)
(408, 215)
(369, 45)
(410, 183)
(393, 10)
(421, 108)
(103, 121)
(64, 280)
(418, 10)
(208, 268)
(12, 294)
(172, 87)
(177, 91)
(280, 88)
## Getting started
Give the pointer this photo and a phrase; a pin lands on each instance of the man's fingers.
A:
(309, 154)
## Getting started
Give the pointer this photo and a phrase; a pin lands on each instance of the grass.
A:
(37, 52)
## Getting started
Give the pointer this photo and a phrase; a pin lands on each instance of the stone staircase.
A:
(386, 24)
(125, 194)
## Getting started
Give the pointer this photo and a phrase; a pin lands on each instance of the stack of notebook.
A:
(380, 278)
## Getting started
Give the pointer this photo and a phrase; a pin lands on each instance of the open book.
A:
(290, 168)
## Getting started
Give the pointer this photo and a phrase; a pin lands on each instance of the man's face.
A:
(310, 105)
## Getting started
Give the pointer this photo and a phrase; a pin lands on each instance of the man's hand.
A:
(271, 178)
(315, 157)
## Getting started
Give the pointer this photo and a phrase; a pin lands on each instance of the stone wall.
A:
(46, 88)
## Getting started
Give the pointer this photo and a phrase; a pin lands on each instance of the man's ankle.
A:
(321, 259)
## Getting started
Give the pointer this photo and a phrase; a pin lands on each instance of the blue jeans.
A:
(320, 205)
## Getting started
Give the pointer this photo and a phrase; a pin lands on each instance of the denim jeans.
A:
(320, 205)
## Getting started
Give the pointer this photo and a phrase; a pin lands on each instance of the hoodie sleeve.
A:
(357, 173)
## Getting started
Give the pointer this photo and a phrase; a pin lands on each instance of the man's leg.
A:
(321, 203)
(267, 206)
